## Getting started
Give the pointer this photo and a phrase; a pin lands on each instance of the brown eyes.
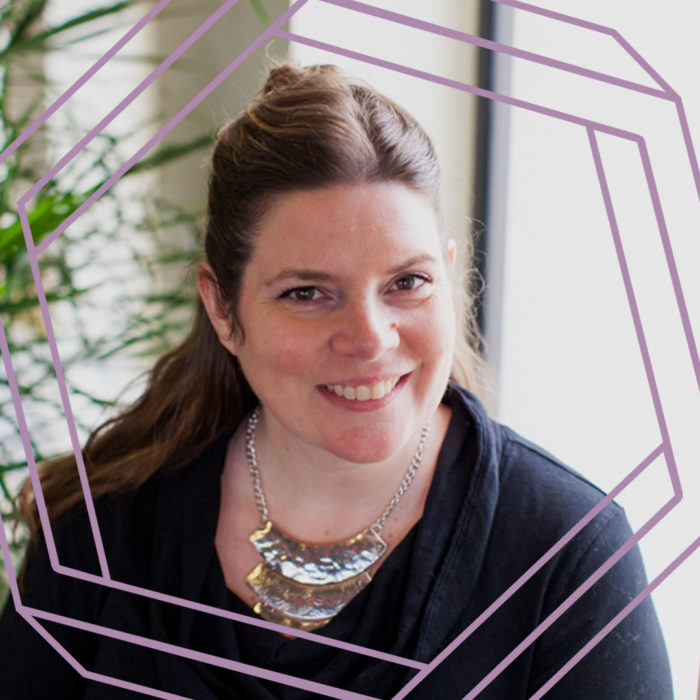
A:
(303, 294)
(406, 283)
(410, 282)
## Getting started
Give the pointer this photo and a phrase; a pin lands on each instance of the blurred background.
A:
(519, 185)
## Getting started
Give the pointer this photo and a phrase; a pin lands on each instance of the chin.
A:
(363, 448)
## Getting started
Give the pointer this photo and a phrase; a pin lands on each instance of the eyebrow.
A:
(310, 275)
(412, 262)
(305, 275)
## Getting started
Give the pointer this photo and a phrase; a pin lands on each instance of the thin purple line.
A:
(631, 300)
(397, 18)
(40, 502)
(639, 59)
(136, 590)
(199, 656)
(186, 44)
(552, 14)
(30, 613)
(691, 152)
(580, 591)
(270, 31)
(576, 120)
(42, 299)
(70, 420)
(53, 642)
(110, 680)
(88, 498)
(617, 619)
(457, 85)
(27, 444)
(199, 607)
(9, 565)
(666, 93)
(678, 494)
(670, 262)
(82, 80)
(237, 617)
(518, 583)
(603, 128)
(642, 62)
(584, 24)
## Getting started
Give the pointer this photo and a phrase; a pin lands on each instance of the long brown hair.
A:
(306, 128)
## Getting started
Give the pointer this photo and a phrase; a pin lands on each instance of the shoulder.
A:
(527, 485)
(128, 526)
(542, 489)
(527, 509)
(562, 556)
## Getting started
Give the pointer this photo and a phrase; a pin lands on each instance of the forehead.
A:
(346, 223)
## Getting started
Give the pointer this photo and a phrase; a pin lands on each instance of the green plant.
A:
(90, 271)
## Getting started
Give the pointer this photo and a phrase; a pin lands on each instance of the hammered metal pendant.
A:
(320, 564)
(305, 586)
(300, 605)
(297, 623)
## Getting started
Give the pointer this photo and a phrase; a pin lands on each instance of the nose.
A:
(365, 330)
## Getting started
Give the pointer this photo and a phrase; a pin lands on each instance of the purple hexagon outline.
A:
(666, 93)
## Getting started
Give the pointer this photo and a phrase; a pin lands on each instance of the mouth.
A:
(365, 392)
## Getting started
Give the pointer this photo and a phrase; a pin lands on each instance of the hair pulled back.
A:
(306, 128)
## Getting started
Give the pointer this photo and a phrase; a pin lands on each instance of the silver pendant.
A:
(306, 585)
(320, 564)
(300, 605)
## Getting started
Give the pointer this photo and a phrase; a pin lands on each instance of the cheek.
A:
(434, 333)
(279, 349)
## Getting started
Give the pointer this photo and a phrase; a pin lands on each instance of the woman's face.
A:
(348, 319)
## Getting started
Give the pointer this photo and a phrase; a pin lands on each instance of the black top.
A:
(496, 505)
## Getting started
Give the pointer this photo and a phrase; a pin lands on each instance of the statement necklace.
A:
(306, 585)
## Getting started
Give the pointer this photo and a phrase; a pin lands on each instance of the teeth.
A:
(364, 392)
(379, 390)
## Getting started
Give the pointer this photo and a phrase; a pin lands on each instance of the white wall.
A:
(571, 374)
(446, 114)
(569, 364)
(570, 367)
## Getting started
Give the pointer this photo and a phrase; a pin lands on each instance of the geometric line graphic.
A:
(590, 125)
(692, 547)
(663, 450)
(84, 78)
(33, 251)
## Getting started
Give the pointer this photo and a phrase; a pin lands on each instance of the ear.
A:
(208, 289)
(452, 251)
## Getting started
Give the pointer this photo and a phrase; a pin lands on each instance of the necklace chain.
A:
(261, 503)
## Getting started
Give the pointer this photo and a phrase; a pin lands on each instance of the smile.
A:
(363, 392)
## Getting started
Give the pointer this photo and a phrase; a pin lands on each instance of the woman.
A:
(310, 455)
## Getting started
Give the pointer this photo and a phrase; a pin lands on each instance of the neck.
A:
(314, 494)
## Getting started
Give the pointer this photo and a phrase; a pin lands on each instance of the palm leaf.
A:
(260, 11)
(39, 41)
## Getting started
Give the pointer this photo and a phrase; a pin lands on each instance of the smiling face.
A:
(348, 319)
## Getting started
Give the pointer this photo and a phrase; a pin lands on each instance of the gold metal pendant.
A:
(272, 616)
(318, 564)
(301, 605)
(306, 585)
